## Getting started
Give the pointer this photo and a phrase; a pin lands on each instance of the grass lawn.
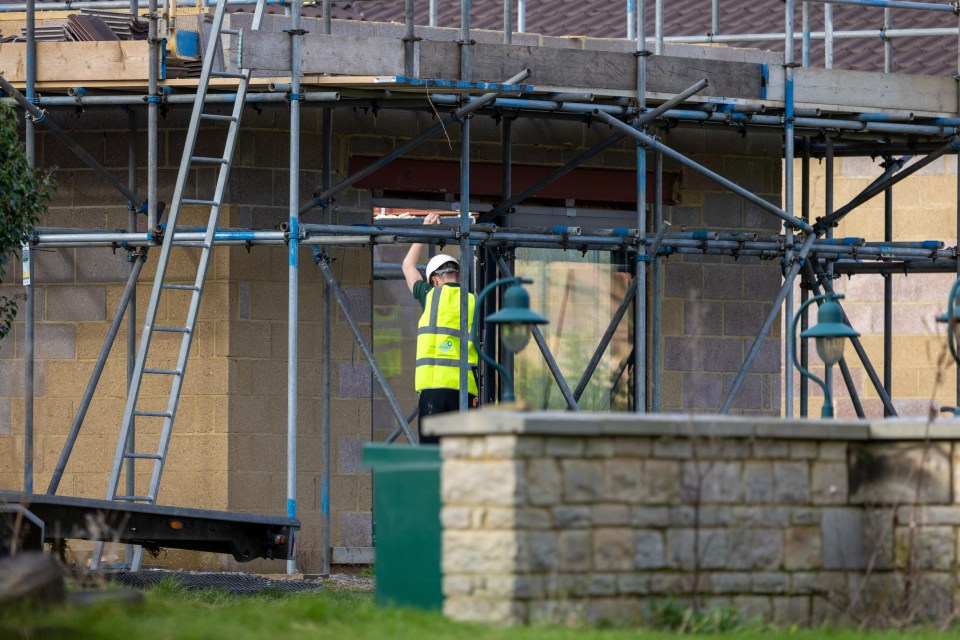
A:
(169, 611)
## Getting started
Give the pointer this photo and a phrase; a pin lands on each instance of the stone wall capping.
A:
(915, 429)
(494, 421)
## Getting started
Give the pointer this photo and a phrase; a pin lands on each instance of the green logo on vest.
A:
(446, 347)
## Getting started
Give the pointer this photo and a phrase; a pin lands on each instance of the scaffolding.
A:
(807, 249)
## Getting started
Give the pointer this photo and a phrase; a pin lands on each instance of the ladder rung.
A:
(181, 287)
(227, 74)
(143, 456)
(134, 498)
(208, 160)
(163, 372)
(153, 414)
(208, 203)
(217, 116)
(230, 32)
(191, 243)
(173, 329)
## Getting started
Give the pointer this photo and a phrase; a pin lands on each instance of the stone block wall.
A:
(549, 517)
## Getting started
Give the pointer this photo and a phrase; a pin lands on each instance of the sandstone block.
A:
(613, 549)
(834, 451)
(574, 551)
(479, 552)
(650, 516)
(610, 515)
(672, 448)
(600, 448)
(457, 585)
(542, 552)
(633, 447)
(762, 517)
(516, 518)
(622, 480)
(829, 483)
(841, 533)
(633, 584)
(648, 549)
(706, 548)
(571, 517)
(756, 549)
(711, 481)
(769, 583)
(502, 446)
(661, 482)
(729, 582)
(803, 450)
(771, 449)
(753, 606)
(485, 611)
(802, 548)
(455, 517)
(926, 548)
(791, 610)
(804, 516)
(602, 584)
(565, 447)
(882, 473)
(791, 482)
(582, 480)
(758, 477)
(543, 482)
(482, 483)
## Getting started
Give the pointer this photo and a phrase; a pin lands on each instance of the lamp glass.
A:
(515, 336)
(830, 349)
(955, 326)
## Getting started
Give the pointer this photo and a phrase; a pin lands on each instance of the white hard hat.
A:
(438, 261)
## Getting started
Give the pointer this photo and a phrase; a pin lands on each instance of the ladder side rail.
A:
(202, 268)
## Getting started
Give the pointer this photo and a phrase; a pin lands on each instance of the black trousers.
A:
(436, 401)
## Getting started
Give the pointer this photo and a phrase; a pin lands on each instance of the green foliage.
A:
(24, 193)
(171, 612)
(671, 615)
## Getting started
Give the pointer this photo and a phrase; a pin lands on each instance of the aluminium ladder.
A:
(161, 286)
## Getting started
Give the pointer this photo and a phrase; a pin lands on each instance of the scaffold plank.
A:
(78, 62)
(844, 90)
(320, 53)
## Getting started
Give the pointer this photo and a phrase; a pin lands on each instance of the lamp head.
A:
(516, 318)
(830, 332)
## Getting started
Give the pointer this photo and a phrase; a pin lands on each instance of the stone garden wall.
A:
(553, 517)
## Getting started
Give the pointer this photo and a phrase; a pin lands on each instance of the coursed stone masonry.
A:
(550, 516)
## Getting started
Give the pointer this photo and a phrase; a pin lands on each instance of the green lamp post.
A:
(830, 334)
(952, 318)
(515, 320)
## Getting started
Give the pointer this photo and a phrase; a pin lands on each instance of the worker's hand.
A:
(432, 218)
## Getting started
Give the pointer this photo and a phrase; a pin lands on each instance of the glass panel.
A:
(579, 294)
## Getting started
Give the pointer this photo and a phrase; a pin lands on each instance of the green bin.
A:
(406, 524)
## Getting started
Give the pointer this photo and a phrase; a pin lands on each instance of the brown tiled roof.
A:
(607, 19)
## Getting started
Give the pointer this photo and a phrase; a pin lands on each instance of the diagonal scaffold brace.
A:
(322, 261)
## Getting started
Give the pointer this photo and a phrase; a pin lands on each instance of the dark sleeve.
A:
(420, 291)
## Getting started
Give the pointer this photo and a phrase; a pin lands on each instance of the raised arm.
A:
(409, 266)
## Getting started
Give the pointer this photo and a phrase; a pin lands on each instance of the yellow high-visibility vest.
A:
(438, 342)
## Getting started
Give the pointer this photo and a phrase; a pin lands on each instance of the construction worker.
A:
(438, 333)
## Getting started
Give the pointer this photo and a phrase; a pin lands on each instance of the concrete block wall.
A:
(714, 306)
(550, 517)
(923, 375)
